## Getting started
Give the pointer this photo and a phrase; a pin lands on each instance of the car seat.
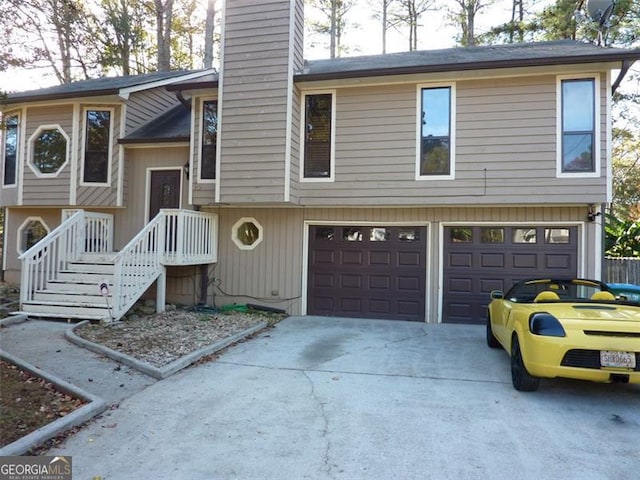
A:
(603, 295)
(546, 296)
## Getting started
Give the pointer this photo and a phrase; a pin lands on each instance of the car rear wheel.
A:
(492, 341)
(520, 378)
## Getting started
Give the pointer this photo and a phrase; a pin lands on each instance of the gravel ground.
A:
(161, 338)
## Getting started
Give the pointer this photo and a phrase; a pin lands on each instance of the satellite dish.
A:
(600, 10)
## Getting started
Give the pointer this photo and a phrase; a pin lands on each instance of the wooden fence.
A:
(622, 270)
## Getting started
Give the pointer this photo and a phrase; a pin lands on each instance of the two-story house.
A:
(401, 186)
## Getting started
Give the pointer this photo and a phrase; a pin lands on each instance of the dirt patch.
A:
(161, 338)
(28, 403)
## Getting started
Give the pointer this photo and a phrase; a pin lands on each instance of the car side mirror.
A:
(497, 294)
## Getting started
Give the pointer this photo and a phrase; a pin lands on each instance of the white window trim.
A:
(596, 126)
(22, 227)
(2, 152)
(32, 138)
(237, 241)
(452, 131)
(332, 155)
(200, 137)
(111, 111)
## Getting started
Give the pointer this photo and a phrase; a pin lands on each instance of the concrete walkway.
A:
(42, 344)
(321, 398)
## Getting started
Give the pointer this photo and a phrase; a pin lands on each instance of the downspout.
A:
(626, 65)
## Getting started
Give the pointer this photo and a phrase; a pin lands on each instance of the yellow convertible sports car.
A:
(571, 328)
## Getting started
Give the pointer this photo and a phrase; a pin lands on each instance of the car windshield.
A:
(566, 290)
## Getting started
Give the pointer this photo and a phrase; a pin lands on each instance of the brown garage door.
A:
(367, 271)
(480, 259)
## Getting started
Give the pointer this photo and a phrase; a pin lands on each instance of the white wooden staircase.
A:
(74, 273)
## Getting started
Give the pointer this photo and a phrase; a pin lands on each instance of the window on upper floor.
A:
(10, 150)
(318, 136)
(436, 132)
(209, 140)
(577, 135)
(97, 146)
(49, 152)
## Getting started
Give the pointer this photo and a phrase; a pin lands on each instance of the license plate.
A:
(617, 359)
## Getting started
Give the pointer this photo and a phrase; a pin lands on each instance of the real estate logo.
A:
(35, 468)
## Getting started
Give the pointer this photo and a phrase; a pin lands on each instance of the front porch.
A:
(75, 273)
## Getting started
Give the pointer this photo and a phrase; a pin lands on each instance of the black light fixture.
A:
(592, 214)
(185, 168)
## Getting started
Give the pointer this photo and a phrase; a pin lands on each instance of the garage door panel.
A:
(492, 260)
(350, 281)
(525, 260)
(461, 259)
(323, 257)
(351, 257)
(460, 285)
(481, 259)
(378, 272)
(380, 258)
(323, 280)
(562, 261)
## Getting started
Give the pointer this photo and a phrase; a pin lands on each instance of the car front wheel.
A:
(492, 341)
(520, 378)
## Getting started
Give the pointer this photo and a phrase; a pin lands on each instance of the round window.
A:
(48, 150)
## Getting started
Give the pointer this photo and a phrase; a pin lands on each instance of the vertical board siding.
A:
(276, 264)
(47, 190)
(138, 161)
(505, 147)
(101, 196)
(254, 103)
(146, 105)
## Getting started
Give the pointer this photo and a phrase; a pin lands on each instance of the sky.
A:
(363, 37)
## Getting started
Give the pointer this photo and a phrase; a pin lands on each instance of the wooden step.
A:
(71, 297)
(48, 309)
(84, 277)
(103, 268)
(92, 288)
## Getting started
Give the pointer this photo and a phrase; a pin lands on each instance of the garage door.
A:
(480, 259)
(367, 271)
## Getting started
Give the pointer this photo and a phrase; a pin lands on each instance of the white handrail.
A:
(76, 235)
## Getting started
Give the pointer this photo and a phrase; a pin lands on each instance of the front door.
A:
(165, 193)
(165, 190)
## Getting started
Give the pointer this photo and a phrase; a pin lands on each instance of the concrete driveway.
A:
(320, 398)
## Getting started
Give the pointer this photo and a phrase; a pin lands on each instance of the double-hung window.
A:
(97, 146)
(577, 120)
(10, 150)
(318, 136)
(209, 140)
(436, 132)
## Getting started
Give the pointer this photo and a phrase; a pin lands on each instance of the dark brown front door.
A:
(165, 190)
(478, 259)
(367, 271)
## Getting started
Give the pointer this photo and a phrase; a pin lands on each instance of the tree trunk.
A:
(209, 28)
(164, 16)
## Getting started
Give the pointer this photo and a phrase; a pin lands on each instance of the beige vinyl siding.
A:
(94, 195)
(47, 190)
(254, 103)
(138, 161)
(276, 264)
(505, 148)
(145, 105)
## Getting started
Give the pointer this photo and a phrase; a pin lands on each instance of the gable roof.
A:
(560, 52)
(172, 126)
(104, 86)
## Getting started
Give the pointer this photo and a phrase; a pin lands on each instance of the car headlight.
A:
(545, 324)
